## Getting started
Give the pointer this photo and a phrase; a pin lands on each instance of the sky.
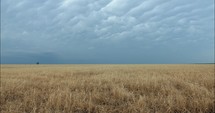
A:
(107, 31)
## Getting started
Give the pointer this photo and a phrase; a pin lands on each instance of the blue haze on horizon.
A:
(107, 31)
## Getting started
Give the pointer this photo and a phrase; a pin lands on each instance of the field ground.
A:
(107, 88)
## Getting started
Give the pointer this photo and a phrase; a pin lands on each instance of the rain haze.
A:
(107, 31)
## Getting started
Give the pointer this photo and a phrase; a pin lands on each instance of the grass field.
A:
(107, 88)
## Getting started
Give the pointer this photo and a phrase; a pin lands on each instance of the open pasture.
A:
(107, 88)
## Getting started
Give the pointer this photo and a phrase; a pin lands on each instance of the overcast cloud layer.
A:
(107, 31)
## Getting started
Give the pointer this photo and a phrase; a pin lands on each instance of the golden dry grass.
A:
(107, 88)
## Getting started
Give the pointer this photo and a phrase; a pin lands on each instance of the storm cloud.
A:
(107, 31)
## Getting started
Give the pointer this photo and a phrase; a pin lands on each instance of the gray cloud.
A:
(110, 31)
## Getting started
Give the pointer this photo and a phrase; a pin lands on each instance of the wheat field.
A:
(107, 88)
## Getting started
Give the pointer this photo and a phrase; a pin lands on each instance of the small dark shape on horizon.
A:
(38, 63)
